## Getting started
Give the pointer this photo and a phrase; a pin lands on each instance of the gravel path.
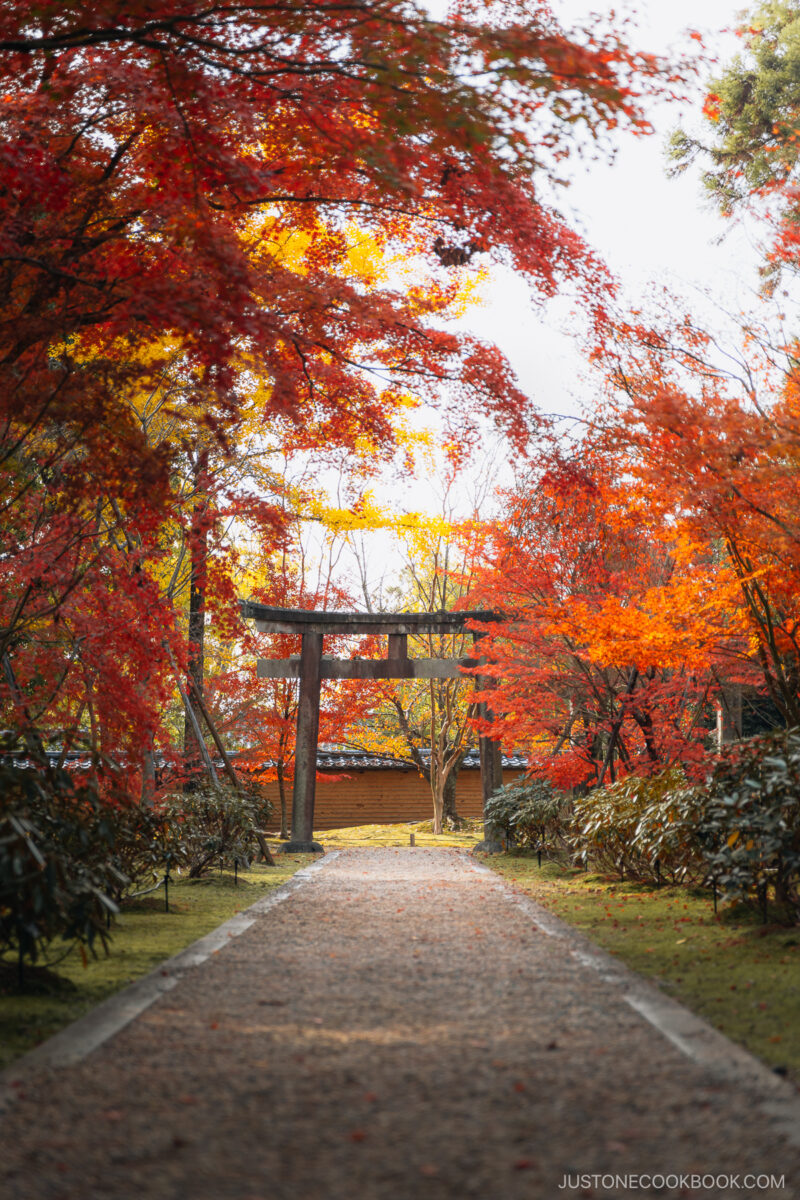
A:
(397, 1029)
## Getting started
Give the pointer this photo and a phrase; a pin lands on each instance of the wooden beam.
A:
(358, 626)
(290, 620)
(367, 668)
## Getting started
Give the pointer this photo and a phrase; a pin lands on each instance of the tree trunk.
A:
(729, 715)
(148, 775)
(437, 785)
(196, 630)
(449, 815)
(438, 801)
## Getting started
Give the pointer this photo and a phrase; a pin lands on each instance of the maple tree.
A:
(614, 622)
(713, 443)
(654, 570)
(157, 169)
(743, 409)
(168, 145)
(183, 190)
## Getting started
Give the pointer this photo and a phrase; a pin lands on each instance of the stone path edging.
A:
(73, 1043)
(689, 1033)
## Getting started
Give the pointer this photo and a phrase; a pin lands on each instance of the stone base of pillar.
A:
(301, 848)
(488, 846)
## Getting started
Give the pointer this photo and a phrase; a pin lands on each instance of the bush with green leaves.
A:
(642, 827)
(530, 814)
(751, 825)
(214, 824)
(144, 842)
(57, 869)
(668, 837)
(603, 828)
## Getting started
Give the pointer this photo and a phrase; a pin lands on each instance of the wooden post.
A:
(398, 646)
(491, 755)
(305, 757)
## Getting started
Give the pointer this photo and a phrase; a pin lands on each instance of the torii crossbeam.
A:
(311, 667)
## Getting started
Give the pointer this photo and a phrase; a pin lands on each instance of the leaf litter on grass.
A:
(738, 974)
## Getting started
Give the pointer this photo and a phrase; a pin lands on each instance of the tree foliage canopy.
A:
(751, 116)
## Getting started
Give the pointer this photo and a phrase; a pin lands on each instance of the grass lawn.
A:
(740, 975)
(142, 937)
(399, 835)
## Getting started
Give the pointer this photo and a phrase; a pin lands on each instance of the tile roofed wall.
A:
(327, 760)
(358, 760)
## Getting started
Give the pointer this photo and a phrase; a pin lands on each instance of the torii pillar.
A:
(491, 755)
(305, 752)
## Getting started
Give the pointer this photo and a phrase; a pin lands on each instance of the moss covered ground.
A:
(142, 937)
(741, 975)
(399, 835)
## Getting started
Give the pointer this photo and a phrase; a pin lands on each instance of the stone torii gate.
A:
(311, 667)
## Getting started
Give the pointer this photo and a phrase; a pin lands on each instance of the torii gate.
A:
(311, 667)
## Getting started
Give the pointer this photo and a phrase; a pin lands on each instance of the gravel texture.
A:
(395, 1030)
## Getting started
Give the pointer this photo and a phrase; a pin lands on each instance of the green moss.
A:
(739, 974)
(399, 835)
(141, 938)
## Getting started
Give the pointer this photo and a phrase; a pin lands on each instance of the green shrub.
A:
(752, 821)
(144, 841)
(643, 827)
(603, 828)
(214, 824)
(530, 814)
(668, 838)
(57, 872)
